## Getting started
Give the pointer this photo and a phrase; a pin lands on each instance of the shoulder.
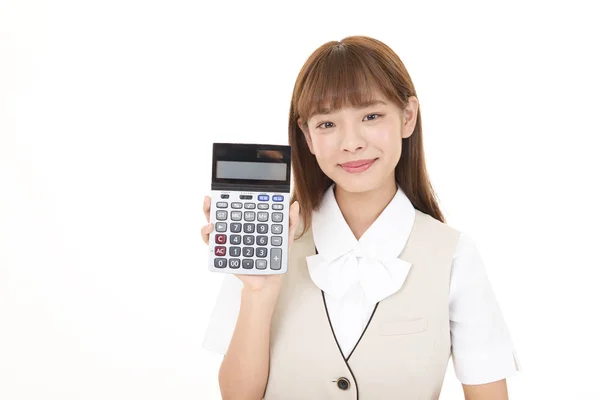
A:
(425, 218)
(432, 225)
(465, 244)
(467, 263)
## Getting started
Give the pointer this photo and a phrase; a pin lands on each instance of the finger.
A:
(204, 235)
(206, 230)
(294, 211)
(206, 208)
(294, 217)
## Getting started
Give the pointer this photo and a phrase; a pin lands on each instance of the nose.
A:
(352, 139)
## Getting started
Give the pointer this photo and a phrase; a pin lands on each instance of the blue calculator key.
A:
(277, 198)
(263, 197)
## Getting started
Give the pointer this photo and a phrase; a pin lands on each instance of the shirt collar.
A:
(369, 267)
(384, 239)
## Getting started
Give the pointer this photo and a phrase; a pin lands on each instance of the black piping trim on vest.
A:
(335, 337)
(338, 344)
(363, 332)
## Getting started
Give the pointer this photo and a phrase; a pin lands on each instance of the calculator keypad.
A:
(248, 233)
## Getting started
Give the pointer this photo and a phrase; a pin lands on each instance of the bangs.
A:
(342, 78)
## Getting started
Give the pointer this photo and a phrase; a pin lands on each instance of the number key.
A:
(261, 252)
(262, 228)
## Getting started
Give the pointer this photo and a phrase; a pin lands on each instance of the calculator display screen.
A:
(251, 170)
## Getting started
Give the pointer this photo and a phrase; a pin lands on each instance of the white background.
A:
(108, 110)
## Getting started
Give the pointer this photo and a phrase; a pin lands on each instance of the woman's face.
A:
(369, 138)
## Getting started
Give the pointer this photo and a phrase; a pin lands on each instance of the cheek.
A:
(387, 140)
(323, 146)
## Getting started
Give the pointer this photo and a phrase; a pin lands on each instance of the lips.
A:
(356, 164)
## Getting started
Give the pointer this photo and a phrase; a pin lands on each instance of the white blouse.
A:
(356, 274)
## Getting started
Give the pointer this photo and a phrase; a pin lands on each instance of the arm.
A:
(482, 349)
(245, 368)
(488, 391)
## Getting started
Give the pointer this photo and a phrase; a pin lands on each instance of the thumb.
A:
(294, 216)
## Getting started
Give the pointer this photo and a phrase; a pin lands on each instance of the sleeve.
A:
(482, 348)
(224, 316)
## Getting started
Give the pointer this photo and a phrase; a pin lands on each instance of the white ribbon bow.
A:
(378, 278)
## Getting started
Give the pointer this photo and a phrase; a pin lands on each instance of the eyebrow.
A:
(326, 111)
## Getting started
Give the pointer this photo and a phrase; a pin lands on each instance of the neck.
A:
(361, 209)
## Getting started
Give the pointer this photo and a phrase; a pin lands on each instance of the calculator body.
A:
(250, 195)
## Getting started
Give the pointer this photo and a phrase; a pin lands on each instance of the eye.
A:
(371, 115)
(318, 126)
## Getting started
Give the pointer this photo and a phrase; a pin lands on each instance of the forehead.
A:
(358, 102)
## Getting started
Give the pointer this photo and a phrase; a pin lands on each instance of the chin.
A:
(357, 185)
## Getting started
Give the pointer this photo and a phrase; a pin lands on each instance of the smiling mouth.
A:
(358, 166)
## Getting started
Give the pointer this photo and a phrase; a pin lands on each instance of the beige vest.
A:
(404, 350)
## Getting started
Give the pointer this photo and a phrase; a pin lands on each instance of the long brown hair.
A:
(340, 74)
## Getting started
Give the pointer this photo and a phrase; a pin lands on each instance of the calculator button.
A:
(248, 240)
(235, 251)
(263, 197)
(220, 250)
(248, 228)
(261, 252)
(235, 227)
(246, 197)
(220, 262)
(262, 216)
(276, 240)
(276, 229)
(221, 204)
(261, 264)
(221, 215)
(234, 263)
(221, 227)
(277, 206)
(262, 228)
(275, 258)
(249, 215)
(263, 206)
(236, 205)
(221, 239)
(262, 240)
(277, 217)
(236, 215)
(248, 251)
(248, 264)
(235, 239)
(249, 206)
(277, 197)
(224, 196)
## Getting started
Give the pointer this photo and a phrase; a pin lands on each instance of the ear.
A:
(409, 115)
(304, 127)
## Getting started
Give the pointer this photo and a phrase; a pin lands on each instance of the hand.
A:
(271, 283)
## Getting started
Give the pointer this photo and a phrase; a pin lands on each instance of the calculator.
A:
(250, 195)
